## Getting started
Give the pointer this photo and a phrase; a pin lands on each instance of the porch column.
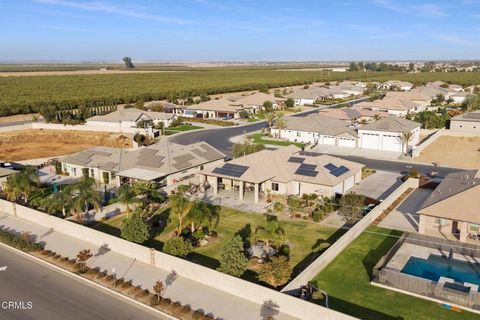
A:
(117, 180)
(422, 224)
(463, 229)
(215, 187)
(256, 192)
(240, 194)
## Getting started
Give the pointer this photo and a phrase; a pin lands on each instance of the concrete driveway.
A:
(379, 185)
(404, 217)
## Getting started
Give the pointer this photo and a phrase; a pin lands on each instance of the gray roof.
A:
(391, 124)
(131, 114)
(319, 123)
(4, 172)
(453, 184)
(473, 116)
(156, 160)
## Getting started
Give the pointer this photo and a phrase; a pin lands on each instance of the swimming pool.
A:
(436, 266)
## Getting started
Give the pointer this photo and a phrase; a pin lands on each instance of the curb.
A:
(88, 281)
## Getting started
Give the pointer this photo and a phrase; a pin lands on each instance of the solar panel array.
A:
(330, 167)
(296, 159)
(339, 171)
(108, 165)
(307, 170)
(232, 170)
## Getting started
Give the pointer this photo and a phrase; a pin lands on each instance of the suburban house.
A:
(318, 129)
(126, 119)
(5, 173)
(286, 171)
(451, 211)
(350, 89)
(353, 114)
(467, 122)
(165, 163)
(396, 85)
(459, 97)
(255, 101)
(315, 94)
(389, 134)
(395, 106)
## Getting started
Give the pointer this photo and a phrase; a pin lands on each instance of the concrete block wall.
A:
(240, 288)
(335, 249)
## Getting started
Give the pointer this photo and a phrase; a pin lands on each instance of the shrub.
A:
(285, 250)
(135, 229)
(22, 242)
(232, 258)
(177, 247)
(278, 206)
(317, 215)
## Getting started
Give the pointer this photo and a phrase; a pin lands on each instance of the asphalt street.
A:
(56, 296)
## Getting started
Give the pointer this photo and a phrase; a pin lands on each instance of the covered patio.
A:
(243, 190)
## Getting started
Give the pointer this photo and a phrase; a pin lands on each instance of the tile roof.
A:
(320, 123)
(473, 116)
(391, 124)
(131, 114)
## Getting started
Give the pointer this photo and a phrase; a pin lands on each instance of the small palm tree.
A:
(158, 288)
(201, 212)
(22, 183)
(270, 117)
(87, 195)
(272, 231)
(127, 196)
(376, 117)
(60, 201)
(82, 258)
(180, 207)
(406, 137)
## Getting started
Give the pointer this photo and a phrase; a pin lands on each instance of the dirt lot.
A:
(19, 117)
(462, 152)
(34, 144)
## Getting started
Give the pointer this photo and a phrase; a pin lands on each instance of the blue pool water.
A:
(436, 266)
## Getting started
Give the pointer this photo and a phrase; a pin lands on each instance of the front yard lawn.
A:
(181, 128)
(347, 283)
(260, 139)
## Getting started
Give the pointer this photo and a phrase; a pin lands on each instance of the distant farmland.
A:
(28, 94)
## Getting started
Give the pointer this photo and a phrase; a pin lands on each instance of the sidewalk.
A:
(222, 305)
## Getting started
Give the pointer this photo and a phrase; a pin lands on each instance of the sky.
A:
(225, 30)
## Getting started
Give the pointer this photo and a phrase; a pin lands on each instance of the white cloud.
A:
(431, 10)
(105, 7)
(427, 9)
(456, 39)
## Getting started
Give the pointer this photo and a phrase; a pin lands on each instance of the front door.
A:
(455, 230)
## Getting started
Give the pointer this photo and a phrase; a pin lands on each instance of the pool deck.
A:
(408, 250)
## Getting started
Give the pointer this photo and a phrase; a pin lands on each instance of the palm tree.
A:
(60, 201)
(158, 288)
(180, 207)
(201, 212)
(127, 196)
(22, 183)
(376, 117)
(87, 195)
(272, 231)
(406, 137)
(12, 187)
(82, 258)
(270, 117)
(280, 124)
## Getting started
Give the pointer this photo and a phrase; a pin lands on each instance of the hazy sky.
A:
(157, 30)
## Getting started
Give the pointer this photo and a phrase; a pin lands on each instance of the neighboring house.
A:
(393, 105)
(350, 89)
(420, 98)
(318, 129)
(286, 171)
(255, 101)
(309, 96)
(467, 122)
(388, 134)
(5, 173)
(459, 97)
(165, 163)
(353, 115)
(216, 108)
(396, 85)
(131, 118)
(452, 210)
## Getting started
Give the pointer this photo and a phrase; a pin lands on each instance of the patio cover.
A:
(141, 174)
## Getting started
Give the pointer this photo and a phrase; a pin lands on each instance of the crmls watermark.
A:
(16, 305)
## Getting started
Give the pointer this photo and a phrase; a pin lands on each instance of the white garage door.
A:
(328, 140)
(370, 141)
(391, 143)
(346, 142)
(349, 183)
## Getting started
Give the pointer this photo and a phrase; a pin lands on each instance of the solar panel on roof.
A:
(330, 167)
(154, 162)
(339, 171)
(308, 173)
(184, 157)
(296, 159)
(232, 170)
(305, 166)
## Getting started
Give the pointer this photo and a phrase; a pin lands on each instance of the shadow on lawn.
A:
(358, 311)
(374, 255)
(317, 250)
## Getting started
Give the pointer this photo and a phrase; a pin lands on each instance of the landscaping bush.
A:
(317, 215)
(278, 206)
(294, 202)
(21, 242)
(177, 247)
(285, 250)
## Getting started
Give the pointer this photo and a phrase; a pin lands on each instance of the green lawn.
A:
(181, 128)
(260, 139)
(305, 238)
(347, 282)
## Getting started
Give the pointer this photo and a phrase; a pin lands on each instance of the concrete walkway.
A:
(378, 185)
(222, 305)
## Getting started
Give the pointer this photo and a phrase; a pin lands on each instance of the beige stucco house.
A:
(452, 211)
(287, 171)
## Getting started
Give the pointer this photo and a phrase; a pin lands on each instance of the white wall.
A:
(465, 126)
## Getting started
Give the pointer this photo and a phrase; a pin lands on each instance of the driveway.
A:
(367, 153)
(379, 185)
(404, 217)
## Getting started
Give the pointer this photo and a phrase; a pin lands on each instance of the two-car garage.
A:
(381, 141)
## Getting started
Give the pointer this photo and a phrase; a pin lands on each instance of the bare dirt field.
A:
(34, 144)
(461, 152)
(19, 117)
(78, 72)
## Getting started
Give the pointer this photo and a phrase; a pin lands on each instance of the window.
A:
(299, 134)
(201, 167)
(275, 186)
(64, 167)
(475, 227)
(92, 173)
(441, 221)
(74, 172)
(112, 175)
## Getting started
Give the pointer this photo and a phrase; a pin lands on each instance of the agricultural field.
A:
(35, 144)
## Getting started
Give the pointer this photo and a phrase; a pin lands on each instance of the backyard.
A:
(33, 144)
(305, 238)
(347, 283)
(462, 152)
(260, 138)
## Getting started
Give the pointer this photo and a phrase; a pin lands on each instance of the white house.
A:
(467, 122)
(396, 85)
(394, 106)
(459, 97)
(255, 101)
(388, 134)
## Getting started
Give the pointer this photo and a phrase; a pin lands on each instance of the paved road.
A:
(55, 296)
(16, 123)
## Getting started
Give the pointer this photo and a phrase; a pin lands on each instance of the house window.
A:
(441, 221)
(74, 172)
(299, 134)
(201, 167)
(275, 186)
(64, 167)
(475, 227)
(92, 173)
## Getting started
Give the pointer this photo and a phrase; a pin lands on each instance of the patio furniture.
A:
(260, 250)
